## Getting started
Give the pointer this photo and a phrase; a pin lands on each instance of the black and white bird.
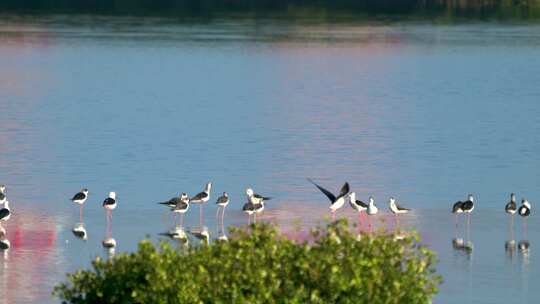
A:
(525, 208)
(110, 204)
(511, 206)
(181, 207)
(336, 202)
(3, 196)
(5, 212)
(252, 209)
(222, 202)
(201, 198)
(468, 205)
(396, 208)
(256, 198)
(356, 204)
(257, 201)
(372, 209)
(79, 199)
(174, 201)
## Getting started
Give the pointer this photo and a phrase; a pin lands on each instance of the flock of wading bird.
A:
(255, 205)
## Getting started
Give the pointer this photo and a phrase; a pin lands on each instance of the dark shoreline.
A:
(327, 10)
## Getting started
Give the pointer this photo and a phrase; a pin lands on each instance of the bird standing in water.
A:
(336, 202)
(79, 199)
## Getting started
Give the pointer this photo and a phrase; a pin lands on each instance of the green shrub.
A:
(262, 266)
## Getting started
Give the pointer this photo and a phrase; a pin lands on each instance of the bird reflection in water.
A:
(4, 242)
(202, 235)
(109, 244)
(510, 248)
(79, 231)
(524, 250)
(177, 234)
(460, 245)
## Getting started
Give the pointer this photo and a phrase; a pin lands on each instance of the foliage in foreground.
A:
(261, 266)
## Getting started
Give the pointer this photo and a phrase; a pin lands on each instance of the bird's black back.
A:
(511, 206)
(468, 205)
(4, 212)
(457, 206)
(79, 196)
(109, 201)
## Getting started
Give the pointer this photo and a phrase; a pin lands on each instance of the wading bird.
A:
(201, 198)
(336, 202)
(79, 199)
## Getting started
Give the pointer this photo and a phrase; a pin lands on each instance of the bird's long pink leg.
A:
(200, 216)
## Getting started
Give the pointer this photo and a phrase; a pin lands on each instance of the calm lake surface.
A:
(150, 108)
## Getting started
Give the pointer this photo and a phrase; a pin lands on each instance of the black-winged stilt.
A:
(201, 198)
(79, 199)
(336, 202)
(371, 210)
(222, 202)
(110, 204)
(396, 208)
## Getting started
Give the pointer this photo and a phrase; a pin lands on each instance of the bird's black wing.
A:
(264, 198)
(108, 201)
(180, 205)
(344, 190)
(78, 196)
(361, 204)
(199, 196)
(248, 207)
(511, 206)
(328, 194)
(402, 208)
(458, 205)
(467, 205)
(4, 212)
(222, 200)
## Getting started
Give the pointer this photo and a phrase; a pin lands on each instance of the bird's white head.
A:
(513, 197)
(371, 200)
(352, 197)
(84, 190)
(470, 197)
(2, 188)
(112, 195)
(392, 200)
(225, 194)
(184, 196)
(208, 187)
(249, 192)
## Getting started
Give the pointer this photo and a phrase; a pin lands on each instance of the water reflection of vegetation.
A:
(322, 9)
(259, 265)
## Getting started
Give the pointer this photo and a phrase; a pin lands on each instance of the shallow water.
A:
(150, 108)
